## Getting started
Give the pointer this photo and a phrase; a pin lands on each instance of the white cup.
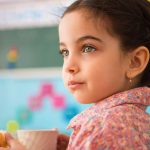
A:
(38, 139)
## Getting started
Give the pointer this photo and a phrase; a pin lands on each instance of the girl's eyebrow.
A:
(83, 38)
(89, 37)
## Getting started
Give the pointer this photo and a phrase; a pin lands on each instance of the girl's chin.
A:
(84, 101)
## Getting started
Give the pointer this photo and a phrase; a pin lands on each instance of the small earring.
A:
(129, 77)
(130, 80)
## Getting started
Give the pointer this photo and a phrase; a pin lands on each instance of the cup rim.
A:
(37, 130)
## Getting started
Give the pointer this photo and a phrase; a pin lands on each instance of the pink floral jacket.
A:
(119, 122)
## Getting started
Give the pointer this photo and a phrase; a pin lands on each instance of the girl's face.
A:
(94, 64)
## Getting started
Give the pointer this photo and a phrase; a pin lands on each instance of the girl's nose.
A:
(71, 66)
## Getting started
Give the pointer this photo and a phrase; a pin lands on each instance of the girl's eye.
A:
(87, 49)
(64, 52)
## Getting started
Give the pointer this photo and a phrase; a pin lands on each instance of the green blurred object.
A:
(24, 116)
(37, 47)
(12, 126)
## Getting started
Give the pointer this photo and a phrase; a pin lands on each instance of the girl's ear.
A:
(139, 59)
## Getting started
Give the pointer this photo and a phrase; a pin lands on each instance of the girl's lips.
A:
(74, 84)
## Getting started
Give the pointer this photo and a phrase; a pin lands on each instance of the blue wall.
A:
(36, 104)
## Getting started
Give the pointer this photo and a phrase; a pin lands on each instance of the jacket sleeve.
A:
(121, 131)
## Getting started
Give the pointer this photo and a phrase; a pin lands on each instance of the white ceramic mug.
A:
(38, 139)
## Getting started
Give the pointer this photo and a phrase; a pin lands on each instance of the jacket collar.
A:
(138, 96)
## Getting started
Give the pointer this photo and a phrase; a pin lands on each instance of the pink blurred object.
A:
(46, 90)
(58, 101)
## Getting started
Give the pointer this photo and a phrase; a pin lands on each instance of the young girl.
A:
(106, 50)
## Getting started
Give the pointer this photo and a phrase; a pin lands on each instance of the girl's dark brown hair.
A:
(130, 21)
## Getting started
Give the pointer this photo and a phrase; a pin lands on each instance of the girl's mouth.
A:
(74, 84)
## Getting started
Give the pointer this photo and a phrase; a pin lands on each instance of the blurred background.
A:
(32, 94)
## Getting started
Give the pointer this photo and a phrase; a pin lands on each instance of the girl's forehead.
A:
(88, 18)
(71, 31)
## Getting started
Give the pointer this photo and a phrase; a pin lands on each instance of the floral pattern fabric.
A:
(119, 122)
